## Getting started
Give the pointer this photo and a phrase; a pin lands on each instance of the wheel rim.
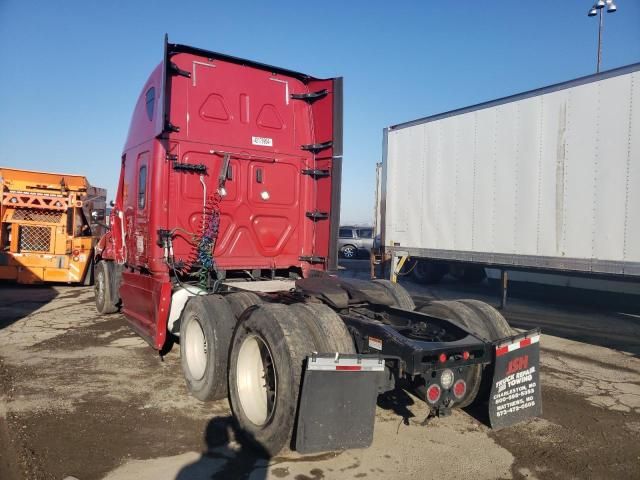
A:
(99, 287)
(349, 252)
(195, 349)
(256, 380)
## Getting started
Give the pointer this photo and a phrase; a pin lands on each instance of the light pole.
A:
(598, 9)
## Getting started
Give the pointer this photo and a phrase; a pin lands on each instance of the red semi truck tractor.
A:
(223, 237)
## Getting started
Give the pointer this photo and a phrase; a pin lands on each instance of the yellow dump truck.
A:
(49, 224)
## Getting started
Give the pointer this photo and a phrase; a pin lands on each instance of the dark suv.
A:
(353, 241)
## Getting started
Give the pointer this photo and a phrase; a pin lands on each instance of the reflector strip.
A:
(348, 367)
(504, 349)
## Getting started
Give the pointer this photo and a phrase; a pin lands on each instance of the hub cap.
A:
(99, 287)
(256, 380)
(196, 348)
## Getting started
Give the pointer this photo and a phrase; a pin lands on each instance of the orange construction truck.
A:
(49, 224)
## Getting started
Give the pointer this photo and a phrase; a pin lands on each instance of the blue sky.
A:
(72, 70)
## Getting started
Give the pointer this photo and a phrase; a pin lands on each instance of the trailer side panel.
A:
(546, 179)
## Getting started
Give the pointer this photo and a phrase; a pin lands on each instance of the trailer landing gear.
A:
(397, 262)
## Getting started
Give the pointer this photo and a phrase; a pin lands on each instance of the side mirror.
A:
(112, 203)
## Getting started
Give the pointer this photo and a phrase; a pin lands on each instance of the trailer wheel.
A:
(206, 327)
(329, 332)
(240, 301)
(428, 272)
(399, 293)
(103, 289)
(467, 272)
(267, 357)
(467, 317)
(473, 274)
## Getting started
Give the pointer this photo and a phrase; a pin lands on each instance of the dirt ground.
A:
(81, 395)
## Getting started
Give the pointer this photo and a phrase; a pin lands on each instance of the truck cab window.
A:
(150, 97)
(81, 225)
(142, 187)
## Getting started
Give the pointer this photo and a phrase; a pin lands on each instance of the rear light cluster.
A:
(442, 358)
(433, 393)
(459, 388)
(447, 381)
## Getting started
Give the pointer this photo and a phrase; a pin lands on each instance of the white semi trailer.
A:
(547, 180)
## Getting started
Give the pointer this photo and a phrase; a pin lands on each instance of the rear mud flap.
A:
(338, 402)
(515, 391)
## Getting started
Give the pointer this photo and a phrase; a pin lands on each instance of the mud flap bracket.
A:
(338, 402)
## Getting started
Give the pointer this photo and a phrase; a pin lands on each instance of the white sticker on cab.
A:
(375, 343)
(262, 141)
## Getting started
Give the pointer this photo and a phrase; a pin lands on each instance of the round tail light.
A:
(76, 252)
(442, 358)
(446, 379)
(433, 393)
(459, 388)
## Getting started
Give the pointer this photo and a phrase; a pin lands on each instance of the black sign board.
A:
(515, 393)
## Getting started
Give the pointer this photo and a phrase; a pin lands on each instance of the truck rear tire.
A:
(496, 325)
(329, 332)
(267, 358)
(206, 327)
(240, 301)
(429, 272)
(103, 288)
(399, 293)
